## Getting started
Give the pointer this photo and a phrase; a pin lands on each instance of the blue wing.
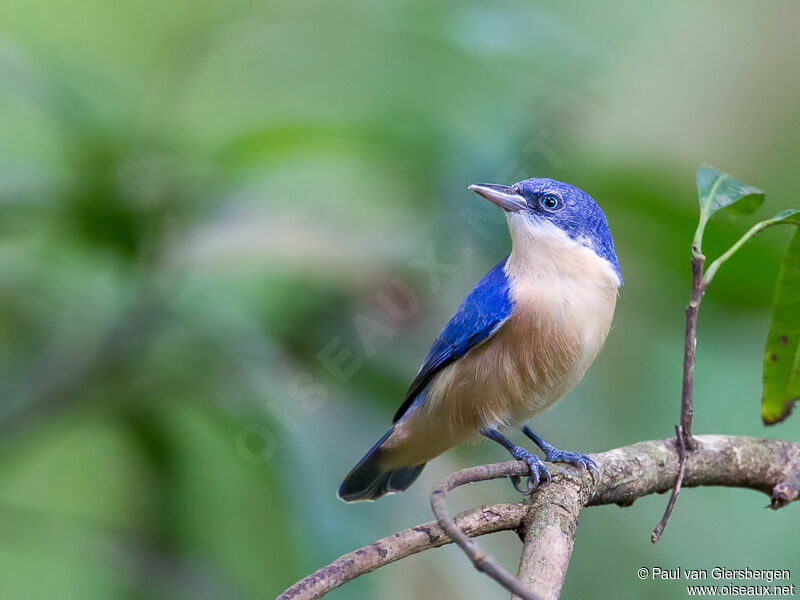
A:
(481, 313)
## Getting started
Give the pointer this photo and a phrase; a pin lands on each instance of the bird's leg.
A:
(538, 469)
(553, 454)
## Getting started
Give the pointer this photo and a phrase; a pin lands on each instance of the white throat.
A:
(543, 253)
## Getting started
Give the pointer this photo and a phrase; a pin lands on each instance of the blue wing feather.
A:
(481, 313)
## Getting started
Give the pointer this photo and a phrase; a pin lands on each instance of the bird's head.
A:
(535, 207)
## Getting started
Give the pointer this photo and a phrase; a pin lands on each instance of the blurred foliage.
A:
(197, 198)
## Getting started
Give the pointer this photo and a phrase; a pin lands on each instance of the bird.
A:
(521, 339)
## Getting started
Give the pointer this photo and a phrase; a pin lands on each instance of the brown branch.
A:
(628, 473)
(732, 461)
(786, 491)
(550, 528)
(689, 347)
(474, 523)
(684, 430)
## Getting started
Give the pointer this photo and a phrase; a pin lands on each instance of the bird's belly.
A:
(536, 357)
(533, 360)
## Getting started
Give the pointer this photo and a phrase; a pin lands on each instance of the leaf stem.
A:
(697, 241)
(714, 266)
(781, 218)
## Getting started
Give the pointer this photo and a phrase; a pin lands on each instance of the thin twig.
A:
(675, 490)
(685, 441)
(482, 561)
(689, 347)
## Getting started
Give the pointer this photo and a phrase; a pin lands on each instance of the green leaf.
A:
(788, 216)
(782, 357)
(718, 190)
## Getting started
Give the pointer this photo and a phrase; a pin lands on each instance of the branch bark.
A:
(549, 517)
(689, 348)
(550, 528)
(474, 523)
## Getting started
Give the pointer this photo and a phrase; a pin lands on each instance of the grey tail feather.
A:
(368, 481)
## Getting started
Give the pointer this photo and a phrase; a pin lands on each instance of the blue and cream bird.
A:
(521, 339)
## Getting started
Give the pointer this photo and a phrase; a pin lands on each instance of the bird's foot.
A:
(539, 472)
(582, 461)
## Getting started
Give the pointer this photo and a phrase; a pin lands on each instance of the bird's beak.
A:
(501, 195)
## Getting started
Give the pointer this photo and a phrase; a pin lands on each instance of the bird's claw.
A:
(582, 461)
(540, 475)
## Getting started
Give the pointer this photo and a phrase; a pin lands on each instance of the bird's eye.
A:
(551, 202)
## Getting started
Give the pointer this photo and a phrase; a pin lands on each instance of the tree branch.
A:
(550, 528)
(486, 519)
(645, 468)
(548, 517)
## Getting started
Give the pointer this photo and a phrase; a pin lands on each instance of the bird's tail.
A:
(368, 481)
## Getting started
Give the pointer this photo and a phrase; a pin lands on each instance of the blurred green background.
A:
(201, 203)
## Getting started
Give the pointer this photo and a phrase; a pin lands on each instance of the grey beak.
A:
(501, 195)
